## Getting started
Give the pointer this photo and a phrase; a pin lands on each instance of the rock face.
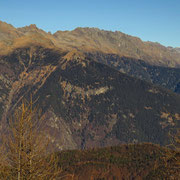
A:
(86, 103)
(177, 49)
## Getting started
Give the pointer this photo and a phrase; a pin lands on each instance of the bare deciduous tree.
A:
(24, 150)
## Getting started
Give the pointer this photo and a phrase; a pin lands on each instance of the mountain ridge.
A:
(94, 39)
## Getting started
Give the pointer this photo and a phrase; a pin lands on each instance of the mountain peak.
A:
(5, 24)
(33, 26)
(4, 27)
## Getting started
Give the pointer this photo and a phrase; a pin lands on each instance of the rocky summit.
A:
(95, 88)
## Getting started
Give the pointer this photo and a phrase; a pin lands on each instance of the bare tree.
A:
(177, 147)
(24, 149)
(177, 140)
(173, 150)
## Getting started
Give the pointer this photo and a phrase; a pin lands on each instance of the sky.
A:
(151, 20)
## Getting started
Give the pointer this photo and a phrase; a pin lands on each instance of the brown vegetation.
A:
(135, 161)
(24, 151)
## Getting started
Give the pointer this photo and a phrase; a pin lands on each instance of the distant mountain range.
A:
(95, 88)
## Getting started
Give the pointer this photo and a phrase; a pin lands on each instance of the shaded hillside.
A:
(145, 161)
(85, 103)
(163, 76)
(177, 90)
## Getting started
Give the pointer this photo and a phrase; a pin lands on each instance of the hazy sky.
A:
(153, 20)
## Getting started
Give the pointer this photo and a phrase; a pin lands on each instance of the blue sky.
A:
(151, 20)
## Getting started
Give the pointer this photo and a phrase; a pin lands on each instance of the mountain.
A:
(8, 32)
(12, 38)
(86, 103)
(92, 92)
